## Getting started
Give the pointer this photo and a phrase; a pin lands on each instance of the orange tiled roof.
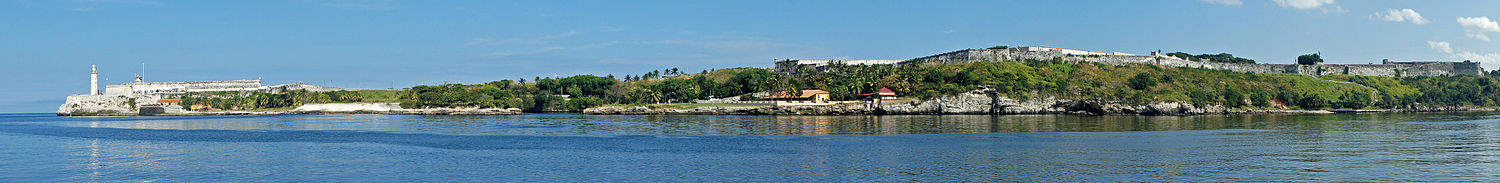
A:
(805, 94)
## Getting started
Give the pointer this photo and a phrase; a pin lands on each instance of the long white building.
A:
(141, 97)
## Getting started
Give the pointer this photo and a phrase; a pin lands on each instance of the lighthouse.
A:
(93, 80)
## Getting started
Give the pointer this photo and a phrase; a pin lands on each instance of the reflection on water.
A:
(574, 124)
(1441, 147)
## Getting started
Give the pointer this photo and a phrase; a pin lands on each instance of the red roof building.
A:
(885, 94)
(812, 95)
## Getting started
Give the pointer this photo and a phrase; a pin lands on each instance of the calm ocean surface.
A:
(584, 148)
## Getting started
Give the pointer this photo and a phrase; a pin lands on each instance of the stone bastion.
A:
(1391, 69)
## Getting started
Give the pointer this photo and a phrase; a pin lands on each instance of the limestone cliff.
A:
(98, 105)
(394, 108)
(986, 101)
(981, 101)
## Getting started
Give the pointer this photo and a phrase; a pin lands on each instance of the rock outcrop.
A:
(982, 101)
(347, 108)
(460, 111)
(838, 109)
(394, 108)
(97, 105)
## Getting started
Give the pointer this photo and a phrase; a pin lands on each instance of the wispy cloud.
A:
(1441, 46)
(1234, 3)
(1490, 60)
(1482, 58)
(1477, 27)
(376, 5)
(740, 50)
(1325, 5)
(1401, 15)
(488, 41)
(507, 53)
(529, 46)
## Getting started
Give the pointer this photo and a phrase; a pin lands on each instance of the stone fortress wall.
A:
(1385, 68)
(171, 88)
(140, 98)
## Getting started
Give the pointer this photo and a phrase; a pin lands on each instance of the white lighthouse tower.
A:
(93, 80)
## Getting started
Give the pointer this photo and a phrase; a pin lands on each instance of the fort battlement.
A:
(151, 98)
(155, 88)
(1385, 68)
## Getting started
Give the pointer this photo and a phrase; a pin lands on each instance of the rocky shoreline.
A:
(394, 108)
(978, 102)
(331, 108)
(986, 101)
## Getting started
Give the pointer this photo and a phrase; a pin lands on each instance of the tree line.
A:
(1136, 84)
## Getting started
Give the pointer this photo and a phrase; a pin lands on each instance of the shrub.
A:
(1142, 81)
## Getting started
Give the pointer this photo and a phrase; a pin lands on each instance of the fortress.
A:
(1385, 68)
(145, 98)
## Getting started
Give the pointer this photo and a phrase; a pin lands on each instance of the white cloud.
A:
(1235, 3)
(1324, 5)
(1489, 60)
(1401, 15)
(1440, 46)
(1477, 27)
(1303, 4)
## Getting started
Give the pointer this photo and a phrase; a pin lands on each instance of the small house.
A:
(805, 95)
(885, 94)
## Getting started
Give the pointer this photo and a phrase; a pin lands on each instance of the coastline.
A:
(987, 101)
(803, 110)
(770, 110)
(325, 108)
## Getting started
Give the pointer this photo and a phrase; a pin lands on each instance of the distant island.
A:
(996, 80)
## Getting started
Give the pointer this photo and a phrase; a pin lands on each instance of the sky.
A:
(46, 47)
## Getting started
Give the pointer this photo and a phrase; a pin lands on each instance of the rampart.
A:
(148, 88)
(1395, 69)
(145, 98)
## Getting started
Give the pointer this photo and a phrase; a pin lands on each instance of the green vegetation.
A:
(1309, 59)
(1001, 47)
(1142, 81)
(690, 105)
(259, 100)
(1134, 84)
(1221, 57)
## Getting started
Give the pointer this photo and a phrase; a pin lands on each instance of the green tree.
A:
(1260, 98)
(1233, 98)
(1309, 59)
(1142, 81)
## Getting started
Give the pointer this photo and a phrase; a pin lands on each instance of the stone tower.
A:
(93, 80)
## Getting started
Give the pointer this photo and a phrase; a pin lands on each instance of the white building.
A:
(1068, 51)
(140, 88)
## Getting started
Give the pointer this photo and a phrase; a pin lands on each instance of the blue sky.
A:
(47, 46)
